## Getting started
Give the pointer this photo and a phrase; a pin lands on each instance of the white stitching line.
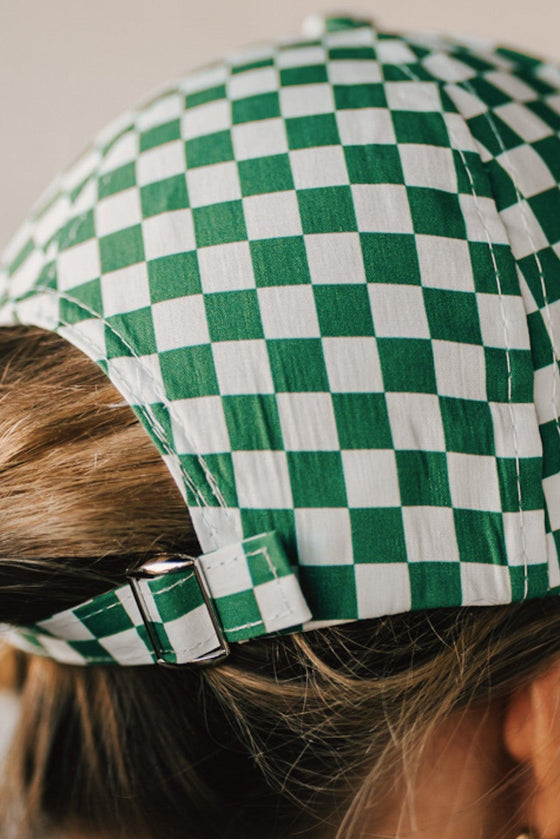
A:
(407, 70)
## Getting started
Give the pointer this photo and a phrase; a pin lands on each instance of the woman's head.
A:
(323, 276)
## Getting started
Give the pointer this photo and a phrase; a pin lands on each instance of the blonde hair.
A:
(304, 733)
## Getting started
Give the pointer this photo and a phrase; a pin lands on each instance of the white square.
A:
(262, 480)
(323, 536)
(413, 96)
(79, 264)
(382, 208)
(444, 263)
(288, 312)
(382, 588)
(398, 310)
(353, 365)
(459, 133)
(430, 534)
(206, 119)
(192, 635)
(525, 536)
(213, 184)
(354, 72)
(447, 69)
(503, 321)
(523, 121)
(263, 138)
(226, 267)
(335, 258)
(164, 110)
(242, 367)
(160, 163)
(516, 430)
(547, 393)
(138, 379)
(301, 100)
(124, 150)
(226, 570)
(281, 603)
(528, 170)
(125, 289)
(371, 478)
(394, 51)
(526, 236)
(215, 526)
(171, 232)
(205, 78)
(251, 82)
(301, 56)
(482, 220)
(125, 647)
(273, 215)
(199, 425)
(117, 212)
(473, 482)
(512, 85)
(430, 166)
(415, 420)
(180, 322)
(320, 166)
(460, 370)
(483, 584)
(361, 126)
(307, 421)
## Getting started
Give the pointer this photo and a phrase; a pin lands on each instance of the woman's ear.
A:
(531, 737)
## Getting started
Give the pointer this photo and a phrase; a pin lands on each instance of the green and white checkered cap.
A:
(325, 274)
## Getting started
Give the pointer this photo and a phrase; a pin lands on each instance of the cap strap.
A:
(176, 609)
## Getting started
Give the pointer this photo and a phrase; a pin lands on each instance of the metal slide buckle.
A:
(156, 567)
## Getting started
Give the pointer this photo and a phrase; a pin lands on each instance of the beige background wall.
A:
(69, 66)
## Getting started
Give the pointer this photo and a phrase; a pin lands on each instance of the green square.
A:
(125, 247)
(217, 224)
(485, 260)
(543, 353)
(267, 565)
(551, 449)
(362, 420)
(480, 536)
(176, 275)
(76, 230)
(436, 213)
(547, 149)
(233, 315)
(435, 584)
(378, 535)
(259, 106)
(240, 610)
(159, 414)
(189, 372)
(317, 479)
(160, 134)
(327, 209)
(253, 423)
(343, 309)
(359, 96)
(159, 197)
(420, 126)
(330, 591)
(201, 97)
(452, 315)
(390, 258)
(533, 270)
(109, 620)
(212, 148)
(310, 74)
(182, 594)
(507, 369)
(495, 134)
(423, 479)
(297, 365)
(87, 294)
(407, 365)
(374, 164)
(546, 207)
(136, 329)
(316, 130)
(264, 521)
(280, 261)
(530, 480)
(220, 468)
(467, 425)
(537, 581)
(116, 181)
(265, 174)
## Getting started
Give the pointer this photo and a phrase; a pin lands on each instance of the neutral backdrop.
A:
(67, 67)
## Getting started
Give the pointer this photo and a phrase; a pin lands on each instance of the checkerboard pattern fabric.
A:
(325, 274)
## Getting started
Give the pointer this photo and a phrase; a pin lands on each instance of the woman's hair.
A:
(302, 734)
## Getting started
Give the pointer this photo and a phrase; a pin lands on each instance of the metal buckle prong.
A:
(164, 564)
